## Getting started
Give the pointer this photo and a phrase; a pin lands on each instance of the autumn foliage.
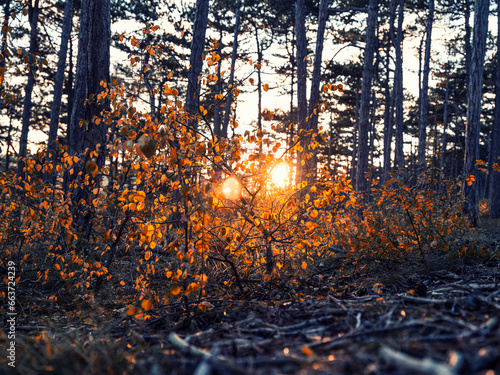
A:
(176, 212)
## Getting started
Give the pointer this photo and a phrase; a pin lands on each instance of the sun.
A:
(280, 175)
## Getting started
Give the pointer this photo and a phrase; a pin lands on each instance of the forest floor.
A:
(441, 319)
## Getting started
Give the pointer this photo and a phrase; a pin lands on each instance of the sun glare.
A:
(280, 175)
(231, 188)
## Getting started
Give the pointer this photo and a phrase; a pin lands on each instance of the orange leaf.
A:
(146, 304)
(91, 167)
(131, 310)
(307, 351)
(175, 290)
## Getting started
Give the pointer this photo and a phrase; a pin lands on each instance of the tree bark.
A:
(495, 140)
(444, 139)
(301, 42)
(259, 80)
(196, 62)
(364, 121)
(388, 106)
(399, 159)
(86, 134)
(23, 142)
(474, 95)
(218, 90)
(354, 158)
(75, 131)
(424, 97)
(58, 90)
(229, 98)
(467, 40)
(4, 33)
(316, 79)
(92, 68)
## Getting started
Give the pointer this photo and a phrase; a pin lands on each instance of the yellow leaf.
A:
(149, 230)
(304, 265)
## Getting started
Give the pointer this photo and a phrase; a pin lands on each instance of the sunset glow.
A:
(231, 188)
(280, 175)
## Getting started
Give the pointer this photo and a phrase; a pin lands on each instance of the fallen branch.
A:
(410, 364)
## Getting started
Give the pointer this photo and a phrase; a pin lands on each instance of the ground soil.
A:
(440, 319)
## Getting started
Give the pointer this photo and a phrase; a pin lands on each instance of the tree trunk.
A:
(364, 121)
(92, 68)
(234, 54)
(388, 107)
(444, 139)
(293, 63)
(69, 87)
(424, 97)
(495, 140)
(80, 93)
(9, 141)
(218, 90)
(23, 142)
(316, 79)
(467, 41)
(87, 135)
(301, 42)
(58, 90)
(259, 80)
(354, 159)
(474, 95)
(399, 159)
(5, 32)
(196, 62)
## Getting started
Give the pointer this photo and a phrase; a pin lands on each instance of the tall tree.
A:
(58, 84)
(364, 116)
(495, 139)
(196, 61)
(86, 132)
(92, 68)
(3, 48)
(301, 55)
(474, 95)
(229, 98)
(316, 77)
(398, 85)
(33, 9)
(424, 93)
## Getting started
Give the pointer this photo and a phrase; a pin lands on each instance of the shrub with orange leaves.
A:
(404, 223)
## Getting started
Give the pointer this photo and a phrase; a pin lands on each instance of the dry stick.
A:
(406, 363)
(233, 267)
(112, 251)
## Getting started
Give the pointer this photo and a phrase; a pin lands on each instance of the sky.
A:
(247, 107)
